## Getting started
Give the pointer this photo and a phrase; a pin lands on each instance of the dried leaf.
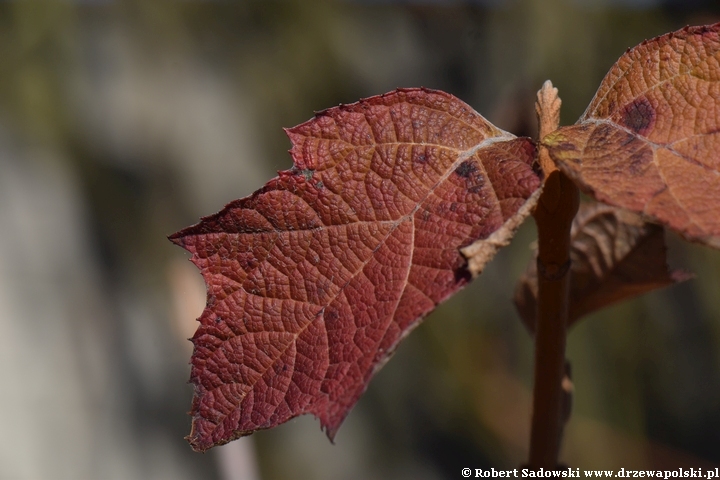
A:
(315, 278)
(650, 139)
(615, 256)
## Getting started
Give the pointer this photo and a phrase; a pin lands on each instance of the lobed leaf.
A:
(314, 279)
(650, 139)
(614, 256)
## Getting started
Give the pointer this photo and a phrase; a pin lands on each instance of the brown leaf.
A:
(615, 256)
(650, 139)
(314, 279)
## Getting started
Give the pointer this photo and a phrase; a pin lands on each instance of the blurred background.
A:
(124, 121)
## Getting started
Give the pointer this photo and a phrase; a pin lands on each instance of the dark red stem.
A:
(554, 214)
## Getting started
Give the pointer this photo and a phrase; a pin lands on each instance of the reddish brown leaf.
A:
(315, 278)
(615, 256)
(650, 139)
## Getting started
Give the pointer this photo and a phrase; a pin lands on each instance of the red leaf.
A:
(650, 139)
(315, 278)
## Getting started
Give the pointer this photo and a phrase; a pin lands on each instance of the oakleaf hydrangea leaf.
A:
(313, 280)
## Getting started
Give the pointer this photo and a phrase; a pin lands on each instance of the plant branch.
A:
(555, 211)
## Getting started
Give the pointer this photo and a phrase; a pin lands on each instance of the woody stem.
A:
(556, 209)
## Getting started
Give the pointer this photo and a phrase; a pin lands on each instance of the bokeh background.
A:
(124, 121)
